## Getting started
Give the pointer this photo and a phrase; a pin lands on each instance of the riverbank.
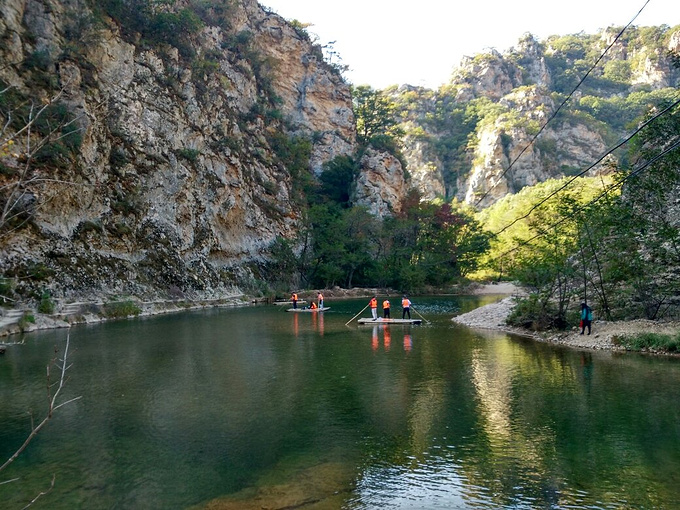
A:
(25, 320)
(604, 335)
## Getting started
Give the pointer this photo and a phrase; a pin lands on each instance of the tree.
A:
(35, 138)
(374, 113)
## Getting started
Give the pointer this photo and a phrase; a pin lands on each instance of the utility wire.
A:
(498, 179)
(596, 199)
(583, 172)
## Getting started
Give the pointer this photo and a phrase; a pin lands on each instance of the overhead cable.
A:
(596, 199)
(560, 107)
(583, 172)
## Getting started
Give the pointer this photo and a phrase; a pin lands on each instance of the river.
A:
(258, 408)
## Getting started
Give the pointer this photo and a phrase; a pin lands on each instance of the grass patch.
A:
(650, 342)
(120, 309)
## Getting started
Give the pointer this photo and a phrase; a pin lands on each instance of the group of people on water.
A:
(405, 308)
(318, 305)
(373, 303)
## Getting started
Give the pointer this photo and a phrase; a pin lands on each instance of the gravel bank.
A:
(603, 335)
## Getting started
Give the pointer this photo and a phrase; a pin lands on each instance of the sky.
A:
(394, 42)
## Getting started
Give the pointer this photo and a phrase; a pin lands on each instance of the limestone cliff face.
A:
(381, 185)
(175, 188)
(450, 153)
(506, 160)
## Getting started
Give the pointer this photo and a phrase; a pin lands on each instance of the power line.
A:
(596, 199)
(512, 163)
(583, 172)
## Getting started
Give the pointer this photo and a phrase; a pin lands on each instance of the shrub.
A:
(534, 313)
(650, 342)
(46, 304)
(121, 309)
(189, 154)
(26, 319)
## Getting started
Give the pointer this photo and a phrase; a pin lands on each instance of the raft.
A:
(380, 320)
(309, 309)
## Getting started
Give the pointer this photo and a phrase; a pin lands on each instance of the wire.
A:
(583, 172)
(596, 199)
(512, 163)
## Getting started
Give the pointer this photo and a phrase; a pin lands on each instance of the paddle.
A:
(419, 314)
(357, 315)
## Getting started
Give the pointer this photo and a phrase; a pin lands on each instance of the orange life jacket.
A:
(294, 297)
(313, 307)
(405, 303)
(374, 303)
(386, 304)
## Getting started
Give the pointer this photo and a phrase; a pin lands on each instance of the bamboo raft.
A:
(380, 320)
(309, 309)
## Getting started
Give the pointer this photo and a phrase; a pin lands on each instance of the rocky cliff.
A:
(177, 173)
(471, 139)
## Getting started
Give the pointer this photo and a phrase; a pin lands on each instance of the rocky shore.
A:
(24, 320)
(603, 336)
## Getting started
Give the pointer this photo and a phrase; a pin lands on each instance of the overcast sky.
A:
(387, 42)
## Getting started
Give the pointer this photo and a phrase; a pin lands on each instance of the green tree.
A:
(374, 113)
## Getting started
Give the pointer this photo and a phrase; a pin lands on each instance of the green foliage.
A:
(121, 309)
(26, 319)
(46, 304)
(189, 154)
(301, 29)
(337, 180)
(343, 244)
(533, 313)
(283, 267)
(375, 114)
(157, 22)
(293, 153)
(650, 342)
(618, 71)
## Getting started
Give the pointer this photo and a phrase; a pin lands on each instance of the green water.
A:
(259, 408)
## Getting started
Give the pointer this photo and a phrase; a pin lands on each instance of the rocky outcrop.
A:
(506, 160)
(175, 184)
(381, 185)
(473, 139)
(316, 100)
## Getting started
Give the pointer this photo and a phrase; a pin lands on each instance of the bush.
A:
(121, 309)
(650, 342)
(46, 304)
(535, 314)
(26, 319)
(189, 154)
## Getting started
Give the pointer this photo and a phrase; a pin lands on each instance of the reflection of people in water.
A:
(320, 323)
(387, 338)
(295, 324)
(408, 342)
(374, 338)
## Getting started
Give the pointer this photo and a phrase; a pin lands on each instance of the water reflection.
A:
(387, 337)
(228, 409)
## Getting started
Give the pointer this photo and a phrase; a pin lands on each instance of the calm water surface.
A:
(259, 408)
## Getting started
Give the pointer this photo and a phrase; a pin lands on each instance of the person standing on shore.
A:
(386, 309)
(406, 307)
(374, 307)
(586, 317)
